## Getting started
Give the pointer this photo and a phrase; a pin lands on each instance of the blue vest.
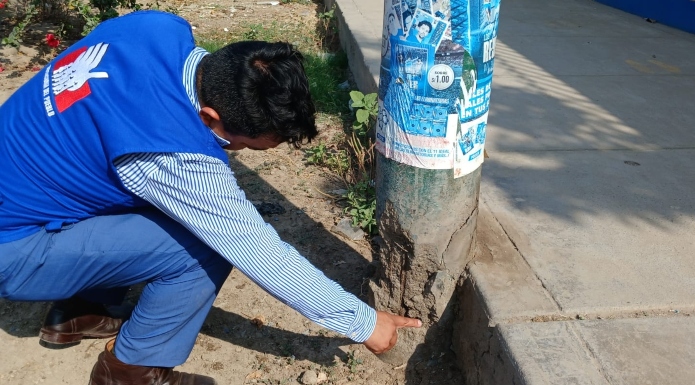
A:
(115, 92)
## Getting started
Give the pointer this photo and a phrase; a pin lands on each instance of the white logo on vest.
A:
(74, 75)
(70, 78)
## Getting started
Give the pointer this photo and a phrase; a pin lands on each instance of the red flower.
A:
(3, 3)
(51, 40)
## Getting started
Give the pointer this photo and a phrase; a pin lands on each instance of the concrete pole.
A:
(427, 242)
(434, 94)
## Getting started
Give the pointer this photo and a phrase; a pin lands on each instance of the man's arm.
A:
(201, 193)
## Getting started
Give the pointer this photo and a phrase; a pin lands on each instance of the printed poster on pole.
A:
(437, 58)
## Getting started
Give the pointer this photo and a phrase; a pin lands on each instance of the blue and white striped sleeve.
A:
(201, 193)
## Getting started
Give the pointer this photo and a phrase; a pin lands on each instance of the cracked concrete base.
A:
(427, 241)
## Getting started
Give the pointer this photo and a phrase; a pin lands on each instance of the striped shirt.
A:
(201, 193)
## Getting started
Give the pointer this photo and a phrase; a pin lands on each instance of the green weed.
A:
(93, 12)
(296, 34)
(325, 73)
(354, 162)
(336, 160)
(327, 29)
(85, 14)
(317, 154)
(15, 37)
(361, 205)
(361, 196)
(211, 45)
(253, 32)
(367, 108)
(353, 362)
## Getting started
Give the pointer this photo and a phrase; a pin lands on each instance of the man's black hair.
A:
(259, 89)
(425, 22)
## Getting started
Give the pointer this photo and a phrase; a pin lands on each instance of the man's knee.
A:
(217, 268)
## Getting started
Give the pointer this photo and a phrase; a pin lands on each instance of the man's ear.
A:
(209, 116)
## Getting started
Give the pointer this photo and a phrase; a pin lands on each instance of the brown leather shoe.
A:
(109, 370)
(68, 321)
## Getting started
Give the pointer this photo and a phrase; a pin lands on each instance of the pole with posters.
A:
(434, 96)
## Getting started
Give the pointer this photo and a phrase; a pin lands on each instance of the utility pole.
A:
(434, 95)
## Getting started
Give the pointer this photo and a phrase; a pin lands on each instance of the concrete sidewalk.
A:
(586, 273)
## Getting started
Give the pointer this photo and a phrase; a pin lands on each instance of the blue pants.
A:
(103, 255)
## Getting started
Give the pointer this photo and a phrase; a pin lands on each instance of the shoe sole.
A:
(53, 340)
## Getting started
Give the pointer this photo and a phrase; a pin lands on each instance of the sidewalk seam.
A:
(547, 292)
(474, 212)
(592, 355)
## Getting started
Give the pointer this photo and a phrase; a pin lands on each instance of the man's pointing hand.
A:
(385, 333)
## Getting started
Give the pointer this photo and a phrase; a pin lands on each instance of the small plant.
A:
(91, 19)
(366, 110)
(353, 362)
(317, 154)
(326, 17)
(328, 28)
(366, 113)
(361, 206)
(264, 32)
(211, 45)
(89, 14)
(361, 194)
(253, 32)
(15, 37)
(325, 72)
(330, 369)
(94, 12)
(338, 162)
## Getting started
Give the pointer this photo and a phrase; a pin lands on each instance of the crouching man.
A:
(112, 173)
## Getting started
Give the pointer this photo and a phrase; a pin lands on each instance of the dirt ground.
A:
(301, 204)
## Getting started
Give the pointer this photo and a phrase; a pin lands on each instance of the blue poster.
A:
(436, 75)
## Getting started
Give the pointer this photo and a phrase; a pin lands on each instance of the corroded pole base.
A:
(427, 221)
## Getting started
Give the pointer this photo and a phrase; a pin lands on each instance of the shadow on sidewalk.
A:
(587, 112)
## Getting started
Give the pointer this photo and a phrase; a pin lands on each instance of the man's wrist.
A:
(364, 324)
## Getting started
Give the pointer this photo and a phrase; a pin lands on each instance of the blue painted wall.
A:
(675, 13)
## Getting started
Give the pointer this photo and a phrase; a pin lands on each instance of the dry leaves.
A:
(259, 321)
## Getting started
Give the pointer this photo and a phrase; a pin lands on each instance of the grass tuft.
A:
(326, 72)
